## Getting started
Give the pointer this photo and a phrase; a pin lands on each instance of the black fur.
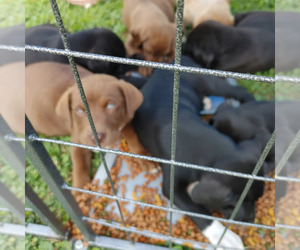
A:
(197, 143)
(97, 40)
(247, 47)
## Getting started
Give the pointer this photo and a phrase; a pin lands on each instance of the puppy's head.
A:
(112, 104)
(222, 199)
(155, 43)
(222, 192)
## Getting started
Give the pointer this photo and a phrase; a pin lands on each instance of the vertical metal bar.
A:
(13, 152)
(43, 211)
(9, 200)
(255, 171)
(39, 157)
(179, 30)
(62, 31)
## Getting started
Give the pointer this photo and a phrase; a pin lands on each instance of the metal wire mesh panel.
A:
(40, 158)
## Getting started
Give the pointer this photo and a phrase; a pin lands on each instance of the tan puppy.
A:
(151, 30)
(54, 107)
(12, 95)
(198, 11)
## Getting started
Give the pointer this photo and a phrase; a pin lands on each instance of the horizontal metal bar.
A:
(287, 226)
(146, 233)
(43, 231)
(118, 244)
(65, 186)
(12, 229)
(284, 178)
(12, 48)
(289, 79)
(211, 72)
(13, 138)
(159, 160)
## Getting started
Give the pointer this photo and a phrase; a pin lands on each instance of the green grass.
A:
(12, 12)
(106, 14)
(11, 180)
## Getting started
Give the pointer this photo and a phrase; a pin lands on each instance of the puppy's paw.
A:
(148, 166)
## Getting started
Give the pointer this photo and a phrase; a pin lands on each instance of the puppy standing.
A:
(151, 30)
(54, 107)
(198, 11)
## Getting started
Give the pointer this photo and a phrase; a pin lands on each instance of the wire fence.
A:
(41, 159)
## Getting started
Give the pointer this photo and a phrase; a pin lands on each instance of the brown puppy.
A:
(198, 11)
(54, 107)
(151, 30)
(12, 95)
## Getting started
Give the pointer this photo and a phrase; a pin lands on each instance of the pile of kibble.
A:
(155, 220)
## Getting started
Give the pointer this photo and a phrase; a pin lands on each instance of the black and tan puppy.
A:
(247, 47)
(97, 40)
(197, 143)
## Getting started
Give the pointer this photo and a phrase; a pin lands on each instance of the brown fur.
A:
(54, 107)
(198, 11)
(12, 95)
(151, 30)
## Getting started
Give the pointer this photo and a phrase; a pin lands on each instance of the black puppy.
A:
(14, 36)
(249, 120)
(97, 40)
(247, 47)
(197, 143)
(241, 123)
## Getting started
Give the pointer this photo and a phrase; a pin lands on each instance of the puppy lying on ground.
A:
(151, 30)
(241, 123)
(246, 122)
(247, 47)
(54, 107)
(198, 11)
(198, 143)
(98, 41)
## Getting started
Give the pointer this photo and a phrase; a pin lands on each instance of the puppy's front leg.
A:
(81, 162)
(136, 147)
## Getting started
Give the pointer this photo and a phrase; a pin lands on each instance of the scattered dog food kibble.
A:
(155, 220)
(289, 214)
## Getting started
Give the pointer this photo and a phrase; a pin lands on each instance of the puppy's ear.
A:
(63, 108)
(133, 98)
(136, 37)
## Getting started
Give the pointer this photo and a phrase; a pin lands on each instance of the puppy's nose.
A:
(101, 137)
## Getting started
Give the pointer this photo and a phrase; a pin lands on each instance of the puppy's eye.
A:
(110, 106)
(140, 46)
(79, 111)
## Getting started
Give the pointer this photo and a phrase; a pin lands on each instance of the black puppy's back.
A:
(97, 40)
(247, 47)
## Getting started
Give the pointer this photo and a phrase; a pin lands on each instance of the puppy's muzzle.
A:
(101, 137)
